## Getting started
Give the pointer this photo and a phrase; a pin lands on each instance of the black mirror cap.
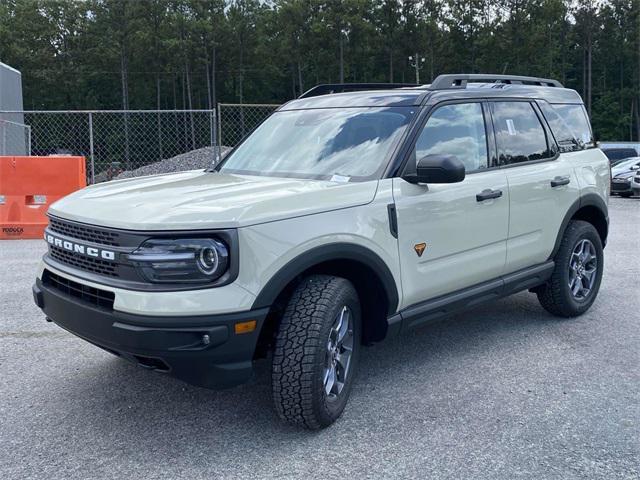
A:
(437, 169)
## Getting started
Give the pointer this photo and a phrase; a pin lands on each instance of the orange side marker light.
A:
(245, 327)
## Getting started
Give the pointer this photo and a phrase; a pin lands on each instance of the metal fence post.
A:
(212, 134)
(219, 135)
(29, 140)
(91, 154)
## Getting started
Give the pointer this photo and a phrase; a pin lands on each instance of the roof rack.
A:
(443, 82)
(327, 88)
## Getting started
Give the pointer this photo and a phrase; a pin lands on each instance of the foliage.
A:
(195, 53)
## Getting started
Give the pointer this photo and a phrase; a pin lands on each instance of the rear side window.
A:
(576, 118)
(566, 139)
(519, 133)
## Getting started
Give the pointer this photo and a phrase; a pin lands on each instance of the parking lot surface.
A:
(503, 391)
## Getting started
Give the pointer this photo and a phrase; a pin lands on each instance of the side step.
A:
(446, 305)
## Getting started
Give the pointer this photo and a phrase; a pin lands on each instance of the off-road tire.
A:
(555, 296)
(301, 347)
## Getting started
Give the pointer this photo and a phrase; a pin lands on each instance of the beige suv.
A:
(352, 214)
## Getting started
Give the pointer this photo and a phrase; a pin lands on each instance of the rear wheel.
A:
(626, 194)
(316, 352)
(577, 274)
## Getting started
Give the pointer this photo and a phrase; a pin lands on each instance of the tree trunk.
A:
(638, 92)
(341, 58)
(584, 74)
(431, 59)
(589, 72)
(214, 96)
(621, 87)
(175, 94)
(300, 86)
(633, 111)
(190, 105)
(636, 103)
(207, 74)
(390, 65)
(158, 106)
(184, 114)
(125, 103)
(293, 82)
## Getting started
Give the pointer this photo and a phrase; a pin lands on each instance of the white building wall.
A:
(13, 135)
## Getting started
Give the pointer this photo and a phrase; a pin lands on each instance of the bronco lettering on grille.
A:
(79, 248)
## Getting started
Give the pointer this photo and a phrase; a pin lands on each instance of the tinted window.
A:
(576, 118)
(564, 136)
(519, 133)
(456, 130)
(619, 153)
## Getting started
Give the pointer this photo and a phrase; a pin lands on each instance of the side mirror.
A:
(635, 167)
(437, 169)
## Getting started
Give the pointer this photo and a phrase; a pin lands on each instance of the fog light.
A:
(245, 327)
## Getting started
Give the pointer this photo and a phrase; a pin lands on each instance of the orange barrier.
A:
(28, 185)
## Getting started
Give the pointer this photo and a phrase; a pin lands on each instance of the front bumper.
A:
(201, 350)
(620, 187)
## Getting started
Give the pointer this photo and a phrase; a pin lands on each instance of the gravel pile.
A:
(193, 160)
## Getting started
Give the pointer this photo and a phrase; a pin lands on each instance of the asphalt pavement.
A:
(504, 391)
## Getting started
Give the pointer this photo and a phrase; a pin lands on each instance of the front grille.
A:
(93, 296)
(619, 186)
(87, 233)
(88, 264)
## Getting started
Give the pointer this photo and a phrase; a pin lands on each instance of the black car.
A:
(615, 155)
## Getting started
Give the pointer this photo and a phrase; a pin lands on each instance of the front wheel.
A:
(577, 274)
(316, 352)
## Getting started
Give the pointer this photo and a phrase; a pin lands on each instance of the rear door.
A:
(449, 237)
(542, 182)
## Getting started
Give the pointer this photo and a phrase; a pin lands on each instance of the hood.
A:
(202, 200)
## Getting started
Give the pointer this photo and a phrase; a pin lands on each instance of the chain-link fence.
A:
(15, 138)
(117, 141)
(238, 120)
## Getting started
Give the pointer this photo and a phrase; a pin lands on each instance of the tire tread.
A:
(296, 350)
(552, 296)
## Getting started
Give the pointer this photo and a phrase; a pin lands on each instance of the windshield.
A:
(625, 165)
(351, 144)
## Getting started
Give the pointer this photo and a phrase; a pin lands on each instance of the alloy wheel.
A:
(339, 352)
(583, 266)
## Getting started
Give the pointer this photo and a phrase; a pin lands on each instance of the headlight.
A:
(184, 260)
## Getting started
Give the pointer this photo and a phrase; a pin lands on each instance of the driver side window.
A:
(456, 130)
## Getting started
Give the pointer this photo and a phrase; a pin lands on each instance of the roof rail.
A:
(447, 81)
(327, 88)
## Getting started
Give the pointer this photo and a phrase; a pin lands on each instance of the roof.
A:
(369, 98)
(424, 95)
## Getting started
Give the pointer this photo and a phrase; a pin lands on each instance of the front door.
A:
(463, 230)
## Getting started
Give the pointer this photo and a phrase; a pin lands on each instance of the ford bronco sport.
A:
(343, 219)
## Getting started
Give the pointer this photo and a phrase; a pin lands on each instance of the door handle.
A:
(559, 181)
(488, 194)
